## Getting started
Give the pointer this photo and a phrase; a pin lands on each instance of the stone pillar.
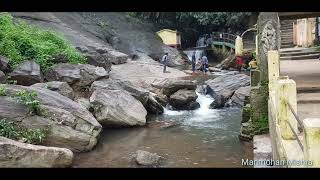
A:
(268, 27)
(257, 49)
(239, 46)
(312, 140)
(274, 68)
(287, 93)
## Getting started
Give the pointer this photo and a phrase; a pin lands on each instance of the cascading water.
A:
(203, 138)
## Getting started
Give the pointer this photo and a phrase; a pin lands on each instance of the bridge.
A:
(220, 39)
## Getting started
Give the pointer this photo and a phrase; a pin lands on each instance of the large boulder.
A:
(2, 77)
(153, 107)
(14, 154)
(117, 108)
(170, 86)
(146, 158)
(76, 75)
(62, 88)
(97, 59)
(219, 102)
(226, 85)
(27, 73)
(70, 125)
(184, 99)
(4, 64)
(139, 93)
(239, 96)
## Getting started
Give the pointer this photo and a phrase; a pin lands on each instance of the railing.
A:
(223, 37)
(284, 120)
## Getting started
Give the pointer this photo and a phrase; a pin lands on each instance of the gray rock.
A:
(62, 88)
(202, 89)
(60, 58)
(139, 93)
(226, 85)
(4, 64)
(170, 86)
(116, 108)
(84, 103)
(15, 154)
(184, 99)
(213, 69)
(27, 73)
(153, 107)
(100, 60)
(70, 125)
(76, 75)
(219, 102)
(146, 158)
(239, 96)
(2, 77)
(162, 99)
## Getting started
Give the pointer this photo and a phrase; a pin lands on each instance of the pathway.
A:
(306, 74)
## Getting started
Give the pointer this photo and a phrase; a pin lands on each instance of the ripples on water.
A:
(205, 138)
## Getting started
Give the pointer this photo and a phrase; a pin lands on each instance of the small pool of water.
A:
(204, 138)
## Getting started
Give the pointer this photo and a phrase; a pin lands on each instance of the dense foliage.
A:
(13, 131)
(194, 24)
(20, 41)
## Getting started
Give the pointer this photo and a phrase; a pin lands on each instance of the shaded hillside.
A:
(113, 30)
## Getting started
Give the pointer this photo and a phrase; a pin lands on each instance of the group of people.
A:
(240, 63)
(204, 63)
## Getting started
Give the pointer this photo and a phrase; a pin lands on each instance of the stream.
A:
(203, 138)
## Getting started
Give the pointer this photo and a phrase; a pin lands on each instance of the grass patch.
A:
(3, 91)
(28, 99)
(13, 131)
(261, 126)
(20, 41)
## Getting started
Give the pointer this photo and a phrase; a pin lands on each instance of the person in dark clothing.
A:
(193, 61)
(164, 62)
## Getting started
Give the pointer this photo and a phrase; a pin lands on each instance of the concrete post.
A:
(239, 46)
(257, 49)
(312, 140)
(273, 64)
(287, 93)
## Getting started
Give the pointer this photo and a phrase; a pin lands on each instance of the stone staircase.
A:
(286, 29)
(299, 54)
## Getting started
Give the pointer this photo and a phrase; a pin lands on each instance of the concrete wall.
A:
(171, 38)
(305, 32)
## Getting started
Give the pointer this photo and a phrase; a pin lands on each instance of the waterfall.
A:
(189, 53)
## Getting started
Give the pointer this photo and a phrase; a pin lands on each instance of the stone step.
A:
(301, 57)
(299, 53)
(304, 98)
(287, 46)
(298, 49)
(287, 43)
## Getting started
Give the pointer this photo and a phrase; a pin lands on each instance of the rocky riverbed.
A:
(102, 114)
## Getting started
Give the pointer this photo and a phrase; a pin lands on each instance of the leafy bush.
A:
(13, 131)
(20, 41)
(3, 91)
(27, 98)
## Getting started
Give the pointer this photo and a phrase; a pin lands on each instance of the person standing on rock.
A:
(193, 61)
(239, 62)
(164, 62)
(204, 64)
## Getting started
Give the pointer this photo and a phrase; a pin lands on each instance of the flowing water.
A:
(203, 138)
